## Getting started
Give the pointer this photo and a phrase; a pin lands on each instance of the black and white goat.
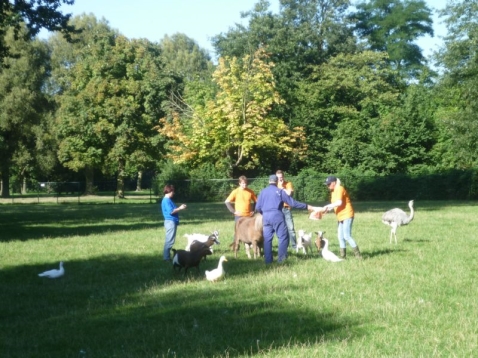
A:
(188, 259)
(208, 240)
(304, 242)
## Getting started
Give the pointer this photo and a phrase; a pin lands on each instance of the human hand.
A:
(182, 207)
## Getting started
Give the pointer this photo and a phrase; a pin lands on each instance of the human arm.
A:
(230, 207)
(333, 205)
(180, 207)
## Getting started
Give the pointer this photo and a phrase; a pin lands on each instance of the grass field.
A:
(118, 299)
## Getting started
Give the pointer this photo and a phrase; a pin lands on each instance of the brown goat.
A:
(249, 231)
(319, 243)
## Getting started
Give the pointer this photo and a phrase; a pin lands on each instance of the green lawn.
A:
(118, 299)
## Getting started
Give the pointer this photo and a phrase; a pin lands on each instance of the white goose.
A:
(55, 273)
(218, 273)
(327, 254)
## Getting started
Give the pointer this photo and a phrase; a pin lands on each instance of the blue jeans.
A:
(344, 233)
(170, 227)
(290, 226)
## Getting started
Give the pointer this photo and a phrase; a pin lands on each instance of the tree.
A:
(183, 56)
(36, 15)
(22, 107)
(111, 94)
(457, 95)
(303, 34)
(338, 105)
(392, 26)
(234, 128)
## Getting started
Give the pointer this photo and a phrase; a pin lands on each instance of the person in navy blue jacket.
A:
(270, 203)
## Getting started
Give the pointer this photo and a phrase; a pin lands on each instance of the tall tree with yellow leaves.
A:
(237, 126)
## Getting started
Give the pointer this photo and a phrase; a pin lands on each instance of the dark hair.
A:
(168, 189)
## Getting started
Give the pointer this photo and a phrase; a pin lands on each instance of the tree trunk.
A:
(24, 186)
(120, 180)
(89, 176)
(138, 181)
(5, 182)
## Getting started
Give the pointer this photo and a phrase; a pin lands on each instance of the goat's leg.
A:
(248, 249)
(254, 247)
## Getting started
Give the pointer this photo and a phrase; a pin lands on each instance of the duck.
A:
(55, 273)
(218, 273)
(327, 254)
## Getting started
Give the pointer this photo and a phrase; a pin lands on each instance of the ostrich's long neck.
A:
(412, 212)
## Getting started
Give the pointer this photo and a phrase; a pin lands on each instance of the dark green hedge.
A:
(309, 187)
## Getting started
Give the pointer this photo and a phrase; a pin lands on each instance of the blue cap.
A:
(330, 179)
(273, 178)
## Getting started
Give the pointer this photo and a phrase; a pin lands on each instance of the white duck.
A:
(53, 273)
(218, 273)
(327, 254)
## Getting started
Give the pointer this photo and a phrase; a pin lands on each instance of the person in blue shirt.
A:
(270, 203)
(171, 220)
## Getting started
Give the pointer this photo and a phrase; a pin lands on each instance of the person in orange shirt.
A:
(340, 202)
(286, 210)
(242, 198)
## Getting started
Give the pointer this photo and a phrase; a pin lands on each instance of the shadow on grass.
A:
(33, 221)
(128, 306)
(376, 253)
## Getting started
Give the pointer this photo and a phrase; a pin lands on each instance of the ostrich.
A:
(397, 217)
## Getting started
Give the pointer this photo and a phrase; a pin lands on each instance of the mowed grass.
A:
(118, 299)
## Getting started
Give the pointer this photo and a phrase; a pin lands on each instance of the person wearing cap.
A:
(270, 203)
(289, 189)
(242, 198)
(340, 202)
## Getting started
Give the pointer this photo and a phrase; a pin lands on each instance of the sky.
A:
(198, 19)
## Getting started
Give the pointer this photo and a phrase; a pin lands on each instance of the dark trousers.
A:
(274, 223)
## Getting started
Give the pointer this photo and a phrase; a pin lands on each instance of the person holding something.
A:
(270, 203)
(171, 220)
(341, 204)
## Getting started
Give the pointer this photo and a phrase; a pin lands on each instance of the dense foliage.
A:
(320, 86)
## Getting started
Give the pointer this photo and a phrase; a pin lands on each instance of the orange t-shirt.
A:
(242, 200)
(286, 185)
(345, 210)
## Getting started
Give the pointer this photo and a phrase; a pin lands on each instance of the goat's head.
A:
(215, 237)
(301, 233)
(319, 242)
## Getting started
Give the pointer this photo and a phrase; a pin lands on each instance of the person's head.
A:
(168, 189)
(280, 176)
(331, 182)
(273, 179)
(242, 181)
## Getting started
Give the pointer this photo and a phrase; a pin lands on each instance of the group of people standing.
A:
(274, 203)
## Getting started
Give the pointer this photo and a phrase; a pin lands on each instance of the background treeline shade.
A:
(319, 87)
(309, 186)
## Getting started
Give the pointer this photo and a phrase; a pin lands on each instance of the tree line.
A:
(319, 86)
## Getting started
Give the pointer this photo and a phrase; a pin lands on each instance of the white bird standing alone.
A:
(55, 273)
(218, 273)
(327, 254)
(397, 217)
